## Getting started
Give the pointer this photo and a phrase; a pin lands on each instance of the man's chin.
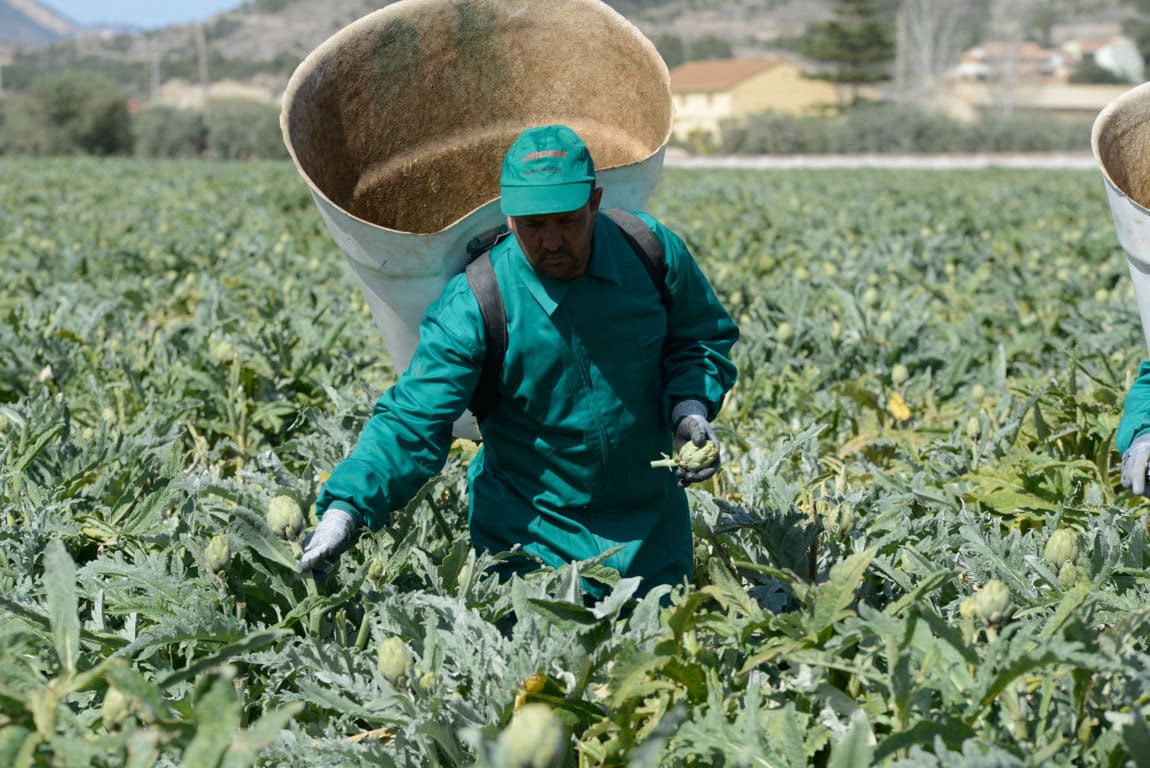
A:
(559, 267)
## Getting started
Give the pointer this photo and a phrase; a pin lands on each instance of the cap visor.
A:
(539, 200)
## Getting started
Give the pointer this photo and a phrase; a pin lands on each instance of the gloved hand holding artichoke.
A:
(697, 454)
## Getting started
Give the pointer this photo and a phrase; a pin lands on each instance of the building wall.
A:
(1059, 101)
(1122, 58)
(699, 112)
(781, 88)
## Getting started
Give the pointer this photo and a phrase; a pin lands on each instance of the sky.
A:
(140, 13)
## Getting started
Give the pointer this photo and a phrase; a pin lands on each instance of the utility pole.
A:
(154, 72)
(202, 49)
(1010, 16)
(901, 80)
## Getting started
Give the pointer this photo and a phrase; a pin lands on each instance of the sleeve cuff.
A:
(688, 408)
(346, 508)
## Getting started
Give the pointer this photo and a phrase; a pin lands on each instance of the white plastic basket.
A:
(1121, 144)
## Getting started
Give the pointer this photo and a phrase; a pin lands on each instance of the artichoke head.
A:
(1069, 574)
(218, 553)
(1061, 548)
(535, 738)
(285, 517)
(115, 709)
(696, 457)
(992, 604)
(395, 661)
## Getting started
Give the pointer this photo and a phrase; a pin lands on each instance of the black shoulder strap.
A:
(647, 246)
(481, 278)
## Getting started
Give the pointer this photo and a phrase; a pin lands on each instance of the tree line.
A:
(907, 42)
(73, 113)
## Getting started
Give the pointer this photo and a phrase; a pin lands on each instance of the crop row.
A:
(932, 366)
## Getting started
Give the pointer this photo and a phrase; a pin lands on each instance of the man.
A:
(598, 379)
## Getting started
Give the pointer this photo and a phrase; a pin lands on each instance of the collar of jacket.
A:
(549, 292)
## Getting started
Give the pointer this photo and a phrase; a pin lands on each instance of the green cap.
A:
(547, 170)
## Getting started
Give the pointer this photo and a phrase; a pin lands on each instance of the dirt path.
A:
(1066, 160)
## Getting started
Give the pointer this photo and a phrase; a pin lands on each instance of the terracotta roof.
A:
(1026, 51)
(1093, 46)
(716, 74)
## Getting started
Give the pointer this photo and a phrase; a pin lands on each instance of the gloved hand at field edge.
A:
(1134, 465)
(326, 543)
(691, 425)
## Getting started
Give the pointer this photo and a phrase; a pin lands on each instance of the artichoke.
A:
(218, 554)
(691, 456)
(1069, 574)
(285, 517)
(395, 661)
(992, 604)
(115, 709)
(222, 350)
(535, 738)
(966, 608)
(973, 427)
(696, 457)
(1061, 548)
(376, 569)
(847, 517)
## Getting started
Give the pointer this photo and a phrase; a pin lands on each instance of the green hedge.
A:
(79, 113)
(896, 129)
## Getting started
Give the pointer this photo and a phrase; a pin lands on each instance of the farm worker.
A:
(598, 379)
(1133, 436)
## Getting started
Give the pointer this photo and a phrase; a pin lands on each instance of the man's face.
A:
(558, 244)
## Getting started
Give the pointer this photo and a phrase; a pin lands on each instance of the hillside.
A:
(267, 28)
(261, 42)
(26, 22)
(269, 34)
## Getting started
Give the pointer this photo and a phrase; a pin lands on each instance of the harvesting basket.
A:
(1120, 140)
(399, 123)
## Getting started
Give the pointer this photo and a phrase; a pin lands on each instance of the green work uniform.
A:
(592, 370)
(1135, 410)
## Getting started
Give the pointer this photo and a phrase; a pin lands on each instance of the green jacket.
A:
(1135, 410)
(592, 370)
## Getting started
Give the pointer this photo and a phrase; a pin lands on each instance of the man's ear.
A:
(596, 196)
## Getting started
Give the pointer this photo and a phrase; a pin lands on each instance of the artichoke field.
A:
(916, 553)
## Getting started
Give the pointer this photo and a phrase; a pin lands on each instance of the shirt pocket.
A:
(648, 345)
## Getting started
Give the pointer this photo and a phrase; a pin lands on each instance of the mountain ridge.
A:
(265, 29)
(262, 41)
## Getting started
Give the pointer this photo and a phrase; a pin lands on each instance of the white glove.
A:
(1134, 463)
(690, 420)
(327, 542)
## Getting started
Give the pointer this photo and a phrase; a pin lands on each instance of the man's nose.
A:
(552, 237)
